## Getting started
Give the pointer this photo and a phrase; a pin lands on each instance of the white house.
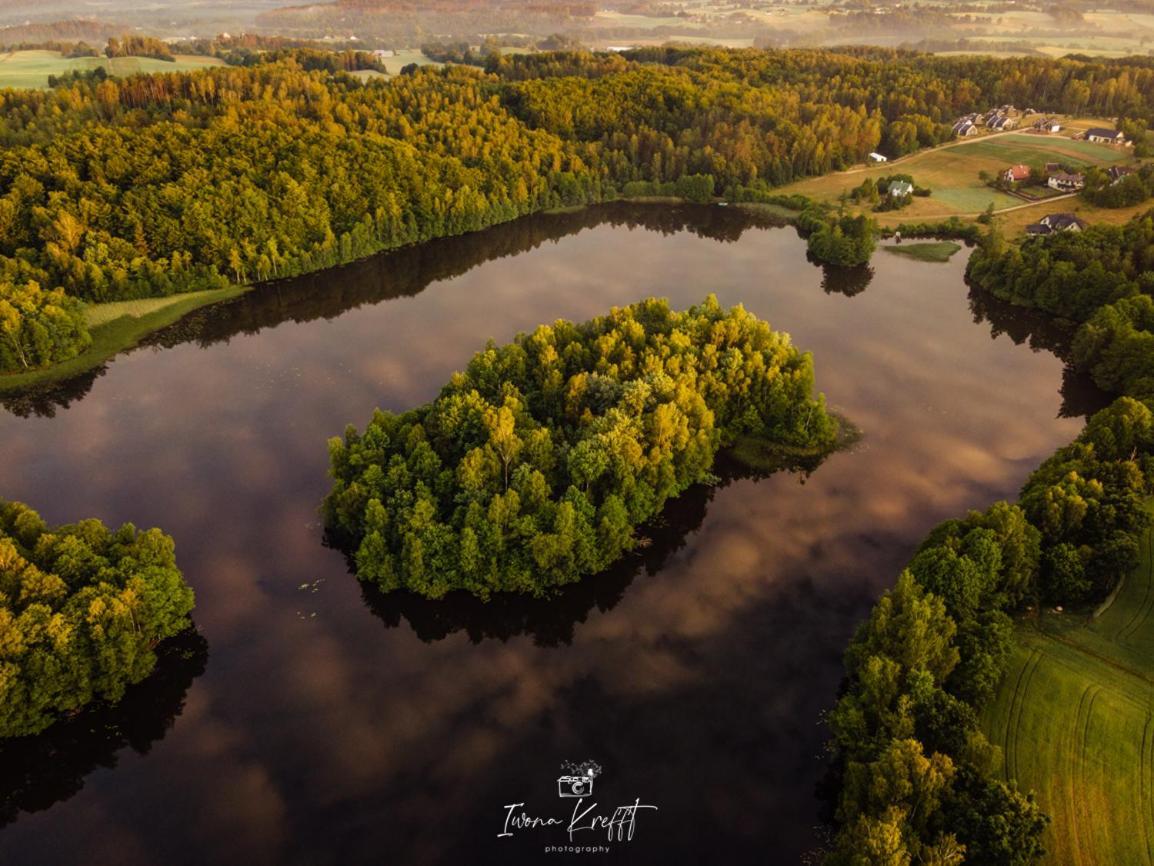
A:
(900, 189)
(1105, 136)
(1066, 182)
(877, 157)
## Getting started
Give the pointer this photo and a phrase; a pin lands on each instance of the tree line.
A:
(535, 466)
(82, 608)
(916, 779)
(155, 184)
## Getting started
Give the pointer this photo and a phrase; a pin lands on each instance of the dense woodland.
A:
(535, 466)
(82, 609)
(151, 185)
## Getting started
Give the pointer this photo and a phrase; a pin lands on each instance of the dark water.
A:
(332, 725)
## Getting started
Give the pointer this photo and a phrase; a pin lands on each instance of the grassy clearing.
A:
(1037, 150)
(930, 251)
(952, 172)
(1074, 720)
(30, 69)
(102, 314)
(115, 327)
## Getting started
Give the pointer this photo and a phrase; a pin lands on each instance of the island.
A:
(535, 466)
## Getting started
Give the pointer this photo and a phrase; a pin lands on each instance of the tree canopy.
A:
(116, 189)
(82, 609)
(536, 464)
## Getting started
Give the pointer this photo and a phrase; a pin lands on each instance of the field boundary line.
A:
(1143, 611)
(1017, 704)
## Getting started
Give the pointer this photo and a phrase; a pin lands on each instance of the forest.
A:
(82, 609)
(535, 466)
(152, 185)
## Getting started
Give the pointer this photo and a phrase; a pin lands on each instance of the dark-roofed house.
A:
(1063, 222)
(1100, 135)
(1066, 182)
(1055, 222)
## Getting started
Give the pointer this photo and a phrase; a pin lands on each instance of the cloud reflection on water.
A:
(322, 733)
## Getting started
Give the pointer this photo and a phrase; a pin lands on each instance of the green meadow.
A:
(929, 251)
(30, 69)
(1074, 719)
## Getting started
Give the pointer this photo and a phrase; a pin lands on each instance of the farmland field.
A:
(1073, 717)
(952, 172)
(1037, 150)
(30, 69)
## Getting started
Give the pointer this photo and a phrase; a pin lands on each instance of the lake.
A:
(311, 722)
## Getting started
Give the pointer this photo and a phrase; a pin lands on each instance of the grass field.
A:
(115, 327)
(1075, 720)
(30, 69)
(952, 173)
(928, 251)
(1037, 150)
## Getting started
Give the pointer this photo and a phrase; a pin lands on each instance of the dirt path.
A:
(958, 142)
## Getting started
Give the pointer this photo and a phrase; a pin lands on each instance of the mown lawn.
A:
(1074, 720)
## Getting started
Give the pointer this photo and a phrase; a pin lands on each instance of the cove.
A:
(333, 725)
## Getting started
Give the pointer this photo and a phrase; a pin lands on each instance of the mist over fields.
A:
(1120, 28)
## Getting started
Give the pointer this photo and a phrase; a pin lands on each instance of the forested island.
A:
(82, 609)
(123, 189)
(535, 466)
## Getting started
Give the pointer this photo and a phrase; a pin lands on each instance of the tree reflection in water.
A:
(38, 772)
(551, 621)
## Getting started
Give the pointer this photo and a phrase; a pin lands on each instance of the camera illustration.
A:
(575, 786)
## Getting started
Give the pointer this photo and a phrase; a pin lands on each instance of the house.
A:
(966, 125)
(1055, 222)
(1066, 182)
(1062, 222)
(1105, 136)
(1016, 173)
(877, 157)
(1047, 124)
(1117, 172)
(1002, 123)
(900, 189)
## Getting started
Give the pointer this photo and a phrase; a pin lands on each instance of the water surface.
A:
(332, 725)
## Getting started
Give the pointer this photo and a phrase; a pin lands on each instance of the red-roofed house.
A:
(1016, 174)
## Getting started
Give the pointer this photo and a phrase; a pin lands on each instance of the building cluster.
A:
(1059, 179)
(996, 120)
